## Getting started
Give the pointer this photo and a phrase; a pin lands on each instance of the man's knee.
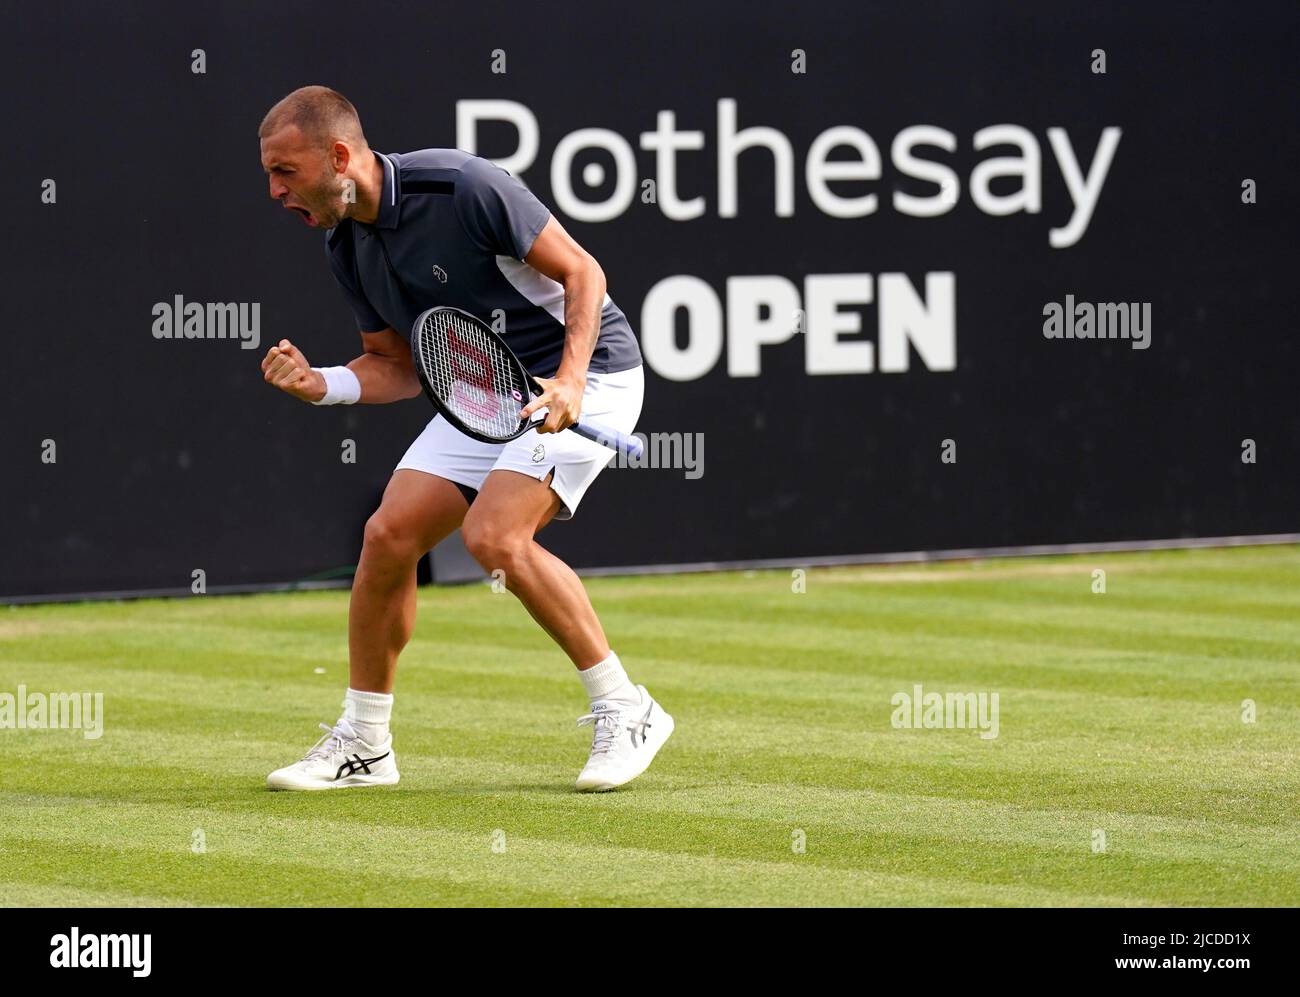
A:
(492, 545)
(387, 541)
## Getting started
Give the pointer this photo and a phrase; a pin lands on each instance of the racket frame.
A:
(609, 438)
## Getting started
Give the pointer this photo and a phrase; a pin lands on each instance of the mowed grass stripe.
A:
(481, 793)
(1123, 712)
(622, 878)
(1044, 693)
(1245, 787)
(853, 737)
(533, 868)
(800, 650)
(55, 894)
(1262, 783)
(1164, 733)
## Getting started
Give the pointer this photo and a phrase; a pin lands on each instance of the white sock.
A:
(369, 713)
(607, 681)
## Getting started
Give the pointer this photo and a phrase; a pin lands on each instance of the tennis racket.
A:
(479, 385)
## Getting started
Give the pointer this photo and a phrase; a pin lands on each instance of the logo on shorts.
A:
(539, 454)
(440, 273)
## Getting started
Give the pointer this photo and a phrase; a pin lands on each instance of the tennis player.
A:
(406, 232)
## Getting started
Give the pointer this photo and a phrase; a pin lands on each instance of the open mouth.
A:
(306, 215)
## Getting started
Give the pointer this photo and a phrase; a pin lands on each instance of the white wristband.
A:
(341, 386)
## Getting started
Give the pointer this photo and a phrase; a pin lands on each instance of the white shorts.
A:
(613, 400)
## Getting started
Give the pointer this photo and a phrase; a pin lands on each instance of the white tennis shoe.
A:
(339, 760)
(624, 742)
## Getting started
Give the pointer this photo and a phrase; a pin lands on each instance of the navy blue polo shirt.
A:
(453, 229)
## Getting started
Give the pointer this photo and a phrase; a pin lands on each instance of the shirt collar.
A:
(391, 195)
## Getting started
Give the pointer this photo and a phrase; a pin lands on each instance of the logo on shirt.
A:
(440, 273)
(539, 454)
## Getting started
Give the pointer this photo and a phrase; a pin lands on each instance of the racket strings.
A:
(472, 375)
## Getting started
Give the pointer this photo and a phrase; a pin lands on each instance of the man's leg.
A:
(630, 726)
(417, 512)
(499, 532)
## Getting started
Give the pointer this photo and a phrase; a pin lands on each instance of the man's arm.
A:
(384, 370)
(555, 254)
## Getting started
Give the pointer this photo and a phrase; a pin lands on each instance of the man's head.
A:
(312, 145)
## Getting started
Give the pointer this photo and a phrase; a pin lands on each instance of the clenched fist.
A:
(285, 367)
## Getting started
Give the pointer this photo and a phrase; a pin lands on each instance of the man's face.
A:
(302, 177)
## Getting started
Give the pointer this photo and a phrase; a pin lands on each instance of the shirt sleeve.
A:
(368, 320)
(500, 214)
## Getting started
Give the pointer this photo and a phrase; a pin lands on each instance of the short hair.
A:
(320, 113)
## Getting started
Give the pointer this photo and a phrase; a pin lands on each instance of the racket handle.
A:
(611, 438)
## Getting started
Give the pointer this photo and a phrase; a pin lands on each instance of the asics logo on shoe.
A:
(643, 725)
(358, 764)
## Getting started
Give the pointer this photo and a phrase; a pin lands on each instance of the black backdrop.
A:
(173, 455)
